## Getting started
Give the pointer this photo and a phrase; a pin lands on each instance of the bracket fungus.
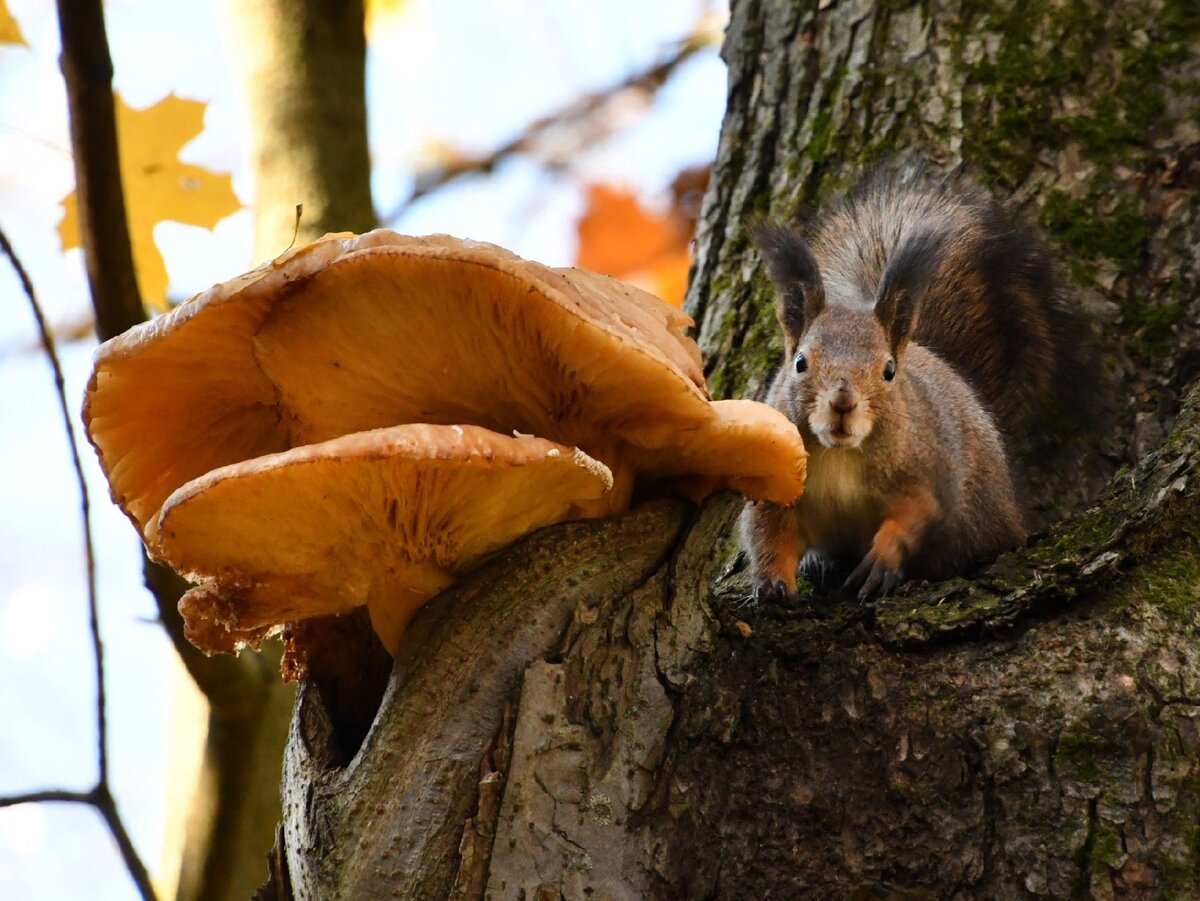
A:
(740, 446)
(353, 334)
(383, 518)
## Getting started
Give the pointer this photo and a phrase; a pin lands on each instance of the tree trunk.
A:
(303, 66)
(1029, 732)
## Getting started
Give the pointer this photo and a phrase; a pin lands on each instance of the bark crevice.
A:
(424, 750)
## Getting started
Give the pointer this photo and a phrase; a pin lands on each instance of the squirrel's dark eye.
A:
(889, 371)
(801, 363)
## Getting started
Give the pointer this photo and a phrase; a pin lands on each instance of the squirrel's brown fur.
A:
(924, 333)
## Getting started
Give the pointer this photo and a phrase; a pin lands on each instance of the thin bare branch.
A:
(100, 797)
(588, 109)
(49, 795)
(85, 504)
(107, 806)
(89, 553)
(87, 68)
(102, 800)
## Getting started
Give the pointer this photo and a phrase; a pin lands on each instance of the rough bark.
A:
(303, 67)
(995, 747)
(1034, 730)
(442, 712)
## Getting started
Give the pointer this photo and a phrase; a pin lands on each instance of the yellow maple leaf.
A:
(158, 186)
(385, 15)
(10, 31)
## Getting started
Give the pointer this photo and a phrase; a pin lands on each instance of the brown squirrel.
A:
(923, 331)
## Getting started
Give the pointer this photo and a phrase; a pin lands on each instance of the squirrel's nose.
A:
(843, 400)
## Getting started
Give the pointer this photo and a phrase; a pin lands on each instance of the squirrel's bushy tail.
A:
(994, 309)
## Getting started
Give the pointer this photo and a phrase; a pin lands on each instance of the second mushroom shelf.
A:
(365, 417)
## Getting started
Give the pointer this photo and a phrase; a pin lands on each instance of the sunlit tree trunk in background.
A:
(232, 808)
(302, 65)
(587, 716)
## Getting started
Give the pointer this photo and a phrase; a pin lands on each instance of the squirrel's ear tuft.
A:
(799, 293)
(910, 269)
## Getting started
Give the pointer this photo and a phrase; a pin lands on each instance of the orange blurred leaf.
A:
(158, 186)
(617, 234)
(620, 237)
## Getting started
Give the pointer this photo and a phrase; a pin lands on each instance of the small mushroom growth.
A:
(364, 418)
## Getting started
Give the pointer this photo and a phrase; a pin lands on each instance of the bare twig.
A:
(579, 112)
(48, 795)
(87, 68)
(107, 806)
(99, 797)
(89, 552)
(244, 785)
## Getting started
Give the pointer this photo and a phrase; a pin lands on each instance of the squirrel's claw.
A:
(874, 579)
(770, 591)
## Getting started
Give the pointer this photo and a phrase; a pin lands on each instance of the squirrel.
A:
(923, 332)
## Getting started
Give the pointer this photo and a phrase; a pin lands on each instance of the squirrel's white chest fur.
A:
(838, 514)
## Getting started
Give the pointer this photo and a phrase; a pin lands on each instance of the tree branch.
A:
(586, 111)
(420, 763)
(87, 69)
(104, 802)
(89, 553)
(49, 795)
(99, 797)
(1138, 513)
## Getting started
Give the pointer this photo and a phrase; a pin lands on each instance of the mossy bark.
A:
(1034, 730)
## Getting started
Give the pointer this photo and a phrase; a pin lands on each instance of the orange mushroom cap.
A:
(745, 445)
(385, 518)
(179, 395)
(354, 333)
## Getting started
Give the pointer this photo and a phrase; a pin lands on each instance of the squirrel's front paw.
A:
(874, 579)
(768, 590)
